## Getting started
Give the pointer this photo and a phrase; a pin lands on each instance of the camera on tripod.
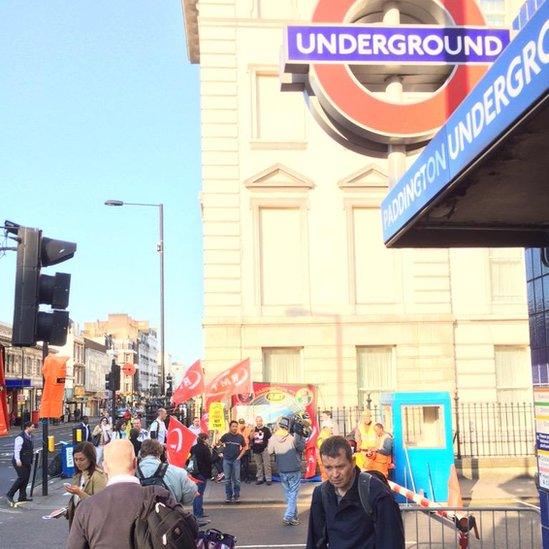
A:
(301, 425)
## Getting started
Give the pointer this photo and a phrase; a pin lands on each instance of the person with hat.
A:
(287, 449)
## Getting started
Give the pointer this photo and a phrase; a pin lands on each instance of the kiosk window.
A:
(423, 426)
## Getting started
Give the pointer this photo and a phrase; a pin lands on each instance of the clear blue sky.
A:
(99, 101)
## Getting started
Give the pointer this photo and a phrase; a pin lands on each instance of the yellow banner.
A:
(216, 417)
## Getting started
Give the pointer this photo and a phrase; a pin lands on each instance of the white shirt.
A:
(196, 431)
(160, 429)
(118, 479)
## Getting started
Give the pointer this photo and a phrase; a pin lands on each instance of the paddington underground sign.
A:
(515, 83)
(369, 44)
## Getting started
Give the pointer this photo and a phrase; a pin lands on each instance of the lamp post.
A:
(160, 249)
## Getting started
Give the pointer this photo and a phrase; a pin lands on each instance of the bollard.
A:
(51, 443)
(77, 435)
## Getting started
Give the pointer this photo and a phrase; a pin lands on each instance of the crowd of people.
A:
(128, 453)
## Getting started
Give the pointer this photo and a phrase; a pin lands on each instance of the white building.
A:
(97, 366)
(296, 275)
(147, 354)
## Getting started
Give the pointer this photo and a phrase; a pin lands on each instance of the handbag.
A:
(96, 439)
(214, 539)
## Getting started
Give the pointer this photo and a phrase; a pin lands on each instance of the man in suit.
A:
(84, 426)
(23, 451)
(105, 520)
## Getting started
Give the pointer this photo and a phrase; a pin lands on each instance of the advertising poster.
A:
(541, 412)
(273, 400)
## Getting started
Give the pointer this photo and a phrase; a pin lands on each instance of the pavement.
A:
(487, 491)
(257, 520)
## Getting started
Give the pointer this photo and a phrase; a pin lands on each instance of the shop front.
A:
(22, 400)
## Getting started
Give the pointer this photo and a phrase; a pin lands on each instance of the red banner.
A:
(178, 442)
(191, 385)
(272, 400)
(234, 381)
(4, 418)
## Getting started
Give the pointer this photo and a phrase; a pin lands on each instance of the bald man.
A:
(105, 520)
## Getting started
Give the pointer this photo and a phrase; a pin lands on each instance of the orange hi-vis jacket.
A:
(54, 372)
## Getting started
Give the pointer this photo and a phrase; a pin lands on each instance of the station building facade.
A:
(296, 275)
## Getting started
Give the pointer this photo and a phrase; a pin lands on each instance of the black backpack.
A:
(156, 480)
(162, 523)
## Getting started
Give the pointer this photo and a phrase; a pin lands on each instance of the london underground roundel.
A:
(330, 46)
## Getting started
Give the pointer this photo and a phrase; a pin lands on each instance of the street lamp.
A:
(160, 249)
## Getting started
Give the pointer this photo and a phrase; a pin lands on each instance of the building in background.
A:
(97, 366)
(296, 275)
(127, 335)
(23, 370)
(147, 356)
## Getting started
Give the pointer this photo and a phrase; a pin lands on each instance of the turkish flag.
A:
(178, 442)
(234, 381)
(191, 385)
(4, 417)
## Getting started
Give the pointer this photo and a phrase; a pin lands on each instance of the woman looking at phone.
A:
(87, 481)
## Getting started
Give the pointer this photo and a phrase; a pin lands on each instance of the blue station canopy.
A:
(483, 180)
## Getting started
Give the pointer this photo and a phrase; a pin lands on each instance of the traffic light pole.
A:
(113, 364)
(45, 433)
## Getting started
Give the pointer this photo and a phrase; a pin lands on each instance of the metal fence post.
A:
(458, 434)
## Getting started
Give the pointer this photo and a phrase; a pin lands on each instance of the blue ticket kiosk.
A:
(67, 460)
(421, 424)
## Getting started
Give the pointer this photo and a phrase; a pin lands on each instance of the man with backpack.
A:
(126, 515)
(151, 471)
(352, 510)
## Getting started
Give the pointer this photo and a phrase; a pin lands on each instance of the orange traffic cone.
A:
(454, 490)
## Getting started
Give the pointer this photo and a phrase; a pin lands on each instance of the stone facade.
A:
(296, 276)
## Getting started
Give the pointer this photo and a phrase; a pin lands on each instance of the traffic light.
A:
(33, 288)
(116, 377)
(108, 384)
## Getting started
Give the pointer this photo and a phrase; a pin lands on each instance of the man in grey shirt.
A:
(287, 449)
(176, 479)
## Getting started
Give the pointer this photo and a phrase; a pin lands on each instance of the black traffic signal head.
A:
(33, 288)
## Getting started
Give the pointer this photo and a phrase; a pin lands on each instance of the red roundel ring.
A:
(363, 110)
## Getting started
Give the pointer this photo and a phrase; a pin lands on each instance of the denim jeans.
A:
(198, 510)
(290, 483)
(231, 470)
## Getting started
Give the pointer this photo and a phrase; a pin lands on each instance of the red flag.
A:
(234, 381)
(4, 417)
(191, 385)
(178, 442)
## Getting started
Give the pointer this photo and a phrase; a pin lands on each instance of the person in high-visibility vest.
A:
(366, 441)
(381, 459)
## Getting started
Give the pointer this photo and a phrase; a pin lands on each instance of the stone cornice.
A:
(190, 16)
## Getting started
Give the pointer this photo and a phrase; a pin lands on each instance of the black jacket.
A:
(203, 457)
(348, 526)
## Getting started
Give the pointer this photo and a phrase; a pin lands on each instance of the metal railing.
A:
(494, 429)
(497, 527)
(480, 429)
